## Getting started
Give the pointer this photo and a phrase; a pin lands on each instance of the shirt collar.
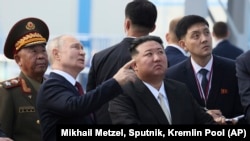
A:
(179, 48)
(66, 76)
(154, 91)
(218, 41)
(198, 67)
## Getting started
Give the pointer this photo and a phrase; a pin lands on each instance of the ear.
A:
(167, 37)
(183, 45)
(55, 53)
(17, 59)
(127, 24)
(134, 66)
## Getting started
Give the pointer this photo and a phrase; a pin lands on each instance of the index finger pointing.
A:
(128, 64)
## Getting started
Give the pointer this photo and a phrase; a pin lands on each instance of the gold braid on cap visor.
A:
(29, 38)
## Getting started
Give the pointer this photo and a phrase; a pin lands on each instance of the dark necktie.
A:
(204, 80)
(81, 92)
(79, 88)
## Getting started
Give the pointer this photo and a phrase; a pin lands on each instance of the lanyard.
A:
(203, 95)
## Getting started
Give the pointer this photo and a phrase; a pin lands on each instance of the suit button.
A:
(37, 121)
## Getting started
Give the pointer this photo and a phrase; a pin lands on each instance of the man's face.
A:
(151, 61)
(198, 40)
(33, 60)
(72, 55)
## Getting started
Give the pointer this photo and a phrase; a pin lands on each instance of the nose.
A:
(82, 52)
(204, 38)
(156, 57)
(41, 55)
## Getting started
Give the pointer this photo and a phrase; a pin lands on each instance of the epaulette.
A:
(14, 82)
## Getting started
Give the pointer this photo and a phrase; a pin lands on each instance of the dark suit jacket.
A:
(228, 50)
(137, 105)
(224, 93)
(59, 102)
(104, 65)
(174, 55)
(243, 74)
(18, 116)
(2, 134)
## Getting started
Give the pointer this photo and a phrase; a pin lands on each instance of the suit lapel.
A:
(65, 81)
(171, 101)
(216, 80)
(174, 105)
(191, 81)
(150, 101)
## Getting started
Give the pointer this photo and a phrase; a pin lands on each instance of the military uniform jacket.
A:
(18, 116)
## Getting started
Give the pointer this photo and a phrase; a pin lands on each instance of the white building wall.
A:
(108, 17)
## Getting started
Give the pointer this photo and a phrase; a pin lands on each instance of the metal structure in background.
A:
(238, 11)
(237, 18)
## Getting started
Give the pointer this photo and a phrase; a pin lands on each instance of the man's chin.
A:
(41, 71)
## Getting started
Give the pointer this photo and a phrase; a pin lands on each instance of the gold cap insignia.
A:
(30, 26)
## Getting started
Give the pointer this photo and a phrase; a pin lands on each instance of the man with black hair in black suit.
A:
(220, 94)
(140, 18)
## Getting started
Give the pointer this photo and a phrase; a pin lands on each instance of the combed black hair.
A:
(186, 22)
(142, 13)
(137, 41)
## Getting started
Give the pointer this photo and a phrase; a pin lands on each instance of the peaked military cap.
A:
(24, 33)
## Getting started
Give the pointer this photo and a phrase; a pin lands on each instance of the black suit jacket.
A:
(2, 134)
(137, 105)
(243, 74)
(59, 102)
(228, 50)
(224, 93)
(174, 55)
(104, 65)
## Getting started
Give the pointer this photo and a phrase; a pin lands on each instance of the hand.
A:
(221, 120)
(234, 121)
(217, 116)
(125, 74)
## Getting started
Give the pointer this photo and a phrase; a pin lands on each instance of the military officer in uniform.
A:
(25, 44)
